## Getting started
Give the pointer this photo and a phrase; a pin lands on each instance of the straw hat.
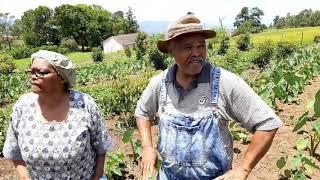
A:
(185, 25)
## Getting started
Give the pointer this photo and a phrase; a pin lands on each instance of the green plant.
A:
(301, 166)
(127, 51)
(316, 39)
(224, 45)
(6, 64)
(69, 43)
(284, 49)
(4, 122)
(127, 137)
(140, 45)
(243, 42)
(263, 54)
(238, 133)
(97, 55)
(115, 165)
(158, 59)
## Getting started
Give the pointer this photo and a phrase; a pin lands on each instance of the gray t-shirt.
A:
(57, 150)
(237, 101)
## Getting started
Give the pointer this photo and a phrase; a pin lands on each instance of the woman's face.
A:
(44, 78)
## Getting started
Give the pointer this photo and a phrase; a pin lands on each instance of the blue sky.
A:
(208, 11)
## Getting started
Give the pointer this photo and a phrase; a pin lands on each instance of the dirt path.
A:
(266, 169)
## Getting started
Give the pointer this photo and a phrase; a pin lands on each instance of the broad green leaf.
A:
(301, 143)
(296, 161)
(301, 121)
(127, 135)
(316, 106)
(281, 162)
(316, 127)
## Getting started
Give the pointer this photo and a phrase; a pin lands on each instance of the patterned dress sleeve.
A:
(100, 137)
(11, 149)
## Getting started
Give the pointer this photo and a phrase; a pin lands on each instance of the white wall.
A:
(111, 46)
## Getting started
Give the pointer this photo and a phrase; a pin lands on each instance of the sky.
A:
(209, 11)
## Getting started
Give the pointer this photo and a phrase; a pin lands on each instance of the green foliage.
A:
(97, 55)
(11, 86)
(89, 25)
(316, 39)
(238, 134)
(140, 45)
(263, 54)
(6, 64)
(127, 137)
(38, 28)
(131, 22)
(128, 52)
(158, 59)
(249, 21)
(4, 122)
(114, 165)
(21, 52)
(301, 166)
(224, 45)
(243, 42)
(284, 49)
(69, 43)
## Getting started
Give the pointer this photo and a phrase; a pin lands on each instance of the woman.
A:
(55, 132)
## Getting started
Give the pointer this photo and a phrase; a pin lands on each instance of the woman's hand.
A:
(148, 161)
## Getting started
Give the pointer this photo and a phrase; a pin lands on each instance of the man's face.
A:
(189, 52)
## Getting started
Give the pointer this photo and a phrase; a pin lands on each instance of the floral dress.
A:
(57, 150)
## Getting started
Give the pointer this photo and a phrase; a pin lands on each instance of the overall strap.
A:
(214, 83)
(163, 89)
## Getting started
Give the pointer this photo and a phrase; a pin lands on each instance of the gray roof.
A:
(124, 39)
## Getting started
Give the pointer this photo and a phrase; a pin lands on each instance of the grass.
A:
(294, 35)
(79, 59)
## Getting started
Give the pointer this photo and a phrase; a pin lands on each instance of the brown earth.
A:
(284, 142)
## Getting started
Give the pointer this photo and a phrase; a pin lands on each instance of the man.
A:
(194, 102)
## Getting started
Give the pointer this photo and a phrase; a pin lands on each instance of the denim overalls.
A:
(190, 145)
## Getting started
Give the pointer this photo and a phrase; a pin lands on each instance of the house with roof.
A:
(119, 42)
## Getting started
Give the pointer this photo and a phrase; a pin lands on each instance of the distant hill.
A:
(154, 27)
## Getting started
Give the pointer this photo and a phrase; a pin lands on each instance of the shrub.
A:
(158, 59)
(97, 54)
(127, 51)
(69, 43)
(6, 63)
(243, 42)
(140, 45)
(224, 45)
(285, 49)
(262, 54)
(21, 52)
(4, 119)
(316, 39)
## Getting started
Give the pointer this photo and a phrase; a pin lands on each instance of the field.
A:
(289, 83)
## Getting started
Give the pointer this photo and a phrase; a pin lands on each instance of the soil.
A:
(283, 144)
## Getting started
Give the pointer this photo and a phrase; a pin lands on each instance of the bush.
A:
(6, 64)
(54, 48)
(127, 51)
(21, 52)
(316, 39)
(158, 59)
(4, 121)
(69, 43)
(285, 49)
(140, 45)
(243, 42)
(262, 54)
(97, 54)
(224, 45)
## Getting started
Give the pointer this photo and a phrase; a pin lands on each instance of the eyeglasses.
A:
(40, 73)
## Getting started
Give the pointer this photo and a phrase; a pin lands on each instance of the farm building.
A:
(120, 42)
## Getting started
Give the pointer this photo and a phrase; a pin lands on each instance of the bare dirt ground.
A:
(284, 142)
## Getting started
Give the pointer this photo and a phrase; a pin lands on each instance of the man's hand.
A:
(235, 174)
(149, 159)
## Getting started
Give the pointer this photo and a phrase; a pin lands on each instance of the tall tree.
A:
(249, 20)
(38, 28)
(132, 24)
(6, 22)
(87, 24)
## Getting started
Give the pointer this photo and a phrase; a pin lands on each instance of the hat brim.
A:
(164, 43)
